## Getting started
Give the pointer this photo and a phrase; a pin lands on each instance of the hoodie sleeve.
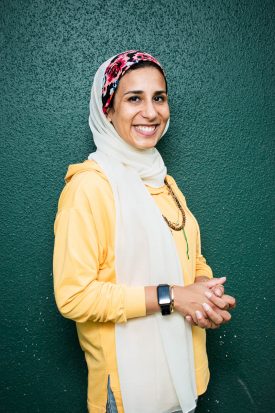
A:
(83, 290)
(202, 269)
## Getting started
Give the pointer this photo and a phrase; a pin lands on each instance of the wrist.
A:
(151, 300)
(177, 291)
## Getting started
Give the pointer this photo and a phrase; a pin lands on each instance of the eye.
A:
(160, 98)
(134, 98)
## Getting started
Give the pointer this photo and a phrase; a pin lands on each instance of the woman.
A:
(127, 261)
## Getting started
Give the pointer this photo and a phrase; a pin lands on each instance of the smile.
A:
(146, 130)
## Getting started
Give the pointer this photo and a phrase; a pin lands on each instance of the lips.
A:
(146, 130)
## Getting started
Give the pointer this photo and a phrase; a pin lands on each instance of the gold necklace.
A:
(174, 226)
(177, 227)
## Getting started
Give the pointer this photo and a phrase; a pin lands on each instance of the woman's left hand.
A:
(211, 317)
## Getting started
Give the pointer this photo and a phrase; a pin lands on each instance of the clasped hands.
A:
(204, 303)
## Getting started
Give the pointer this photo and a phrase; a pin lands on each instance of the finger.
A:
(231, 301)
(219, 302)
(212, 315)
(224, 314)
(214, 326)
(201, 320)
(205, 323)
(218, 290)
(215, 281)
(189, 319)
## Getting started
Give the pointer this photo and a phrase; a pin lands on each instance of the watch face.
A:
(164, 295)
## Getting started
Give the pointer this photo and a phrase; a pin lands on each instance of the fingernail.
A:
(206, 307)
(198, 314)
(208, 294)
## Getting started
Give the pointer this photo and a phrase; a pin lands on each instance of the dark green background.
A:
(220, 148)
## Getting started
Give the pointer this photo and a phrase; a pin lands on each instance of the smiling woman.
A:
(127, 260)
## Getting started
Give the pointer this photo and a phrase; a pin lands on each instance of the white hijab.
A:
(154, 353)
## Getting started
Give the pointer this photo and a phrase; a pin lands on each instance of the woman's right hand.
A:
(200, 306)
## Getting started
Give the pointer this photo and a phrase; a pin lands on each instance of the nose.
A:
(149, 111)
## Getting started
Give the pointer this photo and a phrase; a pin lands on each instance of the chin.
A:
(147, 143)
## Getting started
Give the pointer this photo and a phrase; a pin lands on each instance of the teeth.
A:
(146, 128)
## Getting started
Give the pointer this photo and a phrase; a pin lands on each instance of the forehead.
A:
(146, 78)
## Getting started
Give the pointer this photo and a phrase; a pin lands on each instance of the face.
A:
(140, 109)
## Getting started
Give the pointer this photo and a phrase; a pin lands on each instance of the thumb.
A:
(215, 281)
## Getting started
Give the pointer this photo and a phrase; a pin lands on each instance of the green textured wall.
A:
(220, 148)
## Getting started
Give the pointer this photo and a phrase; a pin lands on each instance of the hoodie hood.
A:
(91, 165)
(78, 168)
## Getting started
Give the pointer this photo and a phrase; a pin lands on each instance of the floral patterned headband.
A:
(116, 69)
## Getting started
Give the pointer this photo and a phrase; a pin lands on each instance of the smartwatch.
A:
(164, 299)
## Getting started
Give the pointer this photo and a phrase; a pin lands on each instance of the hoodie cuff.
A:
(135, 302)
(204, 272)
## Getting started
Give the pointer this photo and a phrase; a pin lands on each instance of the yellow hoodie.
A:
(85, 280)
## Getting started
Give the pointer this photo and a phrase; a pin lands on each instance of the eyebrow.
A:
(139, 92)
